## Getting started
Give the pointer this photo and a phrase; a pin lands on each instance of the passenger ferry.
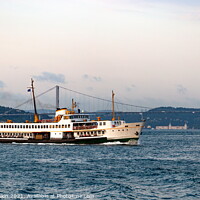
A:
(70, 127)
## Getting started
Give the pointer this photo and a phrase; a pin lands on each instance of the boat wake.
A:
(130, 143)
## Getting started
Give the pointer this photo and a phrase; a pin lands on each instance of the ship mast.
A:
(113, 106)
(36, 117)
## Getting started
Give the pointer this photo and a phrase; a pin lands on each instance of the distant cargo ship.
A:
(70, 127)
(172, 127)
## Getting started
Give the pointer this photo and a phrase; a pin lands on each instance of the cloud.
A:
(130, 88)
(92, 78)
(195, 15)
(50, 77)
(184, 9)
(85, 76)
(90, 89)
(181, 89)
(2, 85)
(14, 67)
(11, 99)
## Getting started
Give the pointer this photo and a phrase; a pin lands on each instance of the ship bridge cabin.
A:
(71, 116)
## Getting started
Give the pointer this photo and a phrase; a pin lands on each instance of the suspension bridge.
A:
(86, 102)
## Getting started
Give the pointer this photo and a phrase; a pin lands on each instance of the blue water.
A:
(165, 165)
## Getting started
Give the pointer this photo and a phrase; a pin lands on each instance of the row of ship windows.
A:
(77, 116)
(102, 123)
(120, 130)
(16, 134)
(116, 123)
(90, 133)
(35, 126)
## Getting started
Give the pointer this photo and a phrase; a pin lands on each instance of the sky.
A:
(147, 51)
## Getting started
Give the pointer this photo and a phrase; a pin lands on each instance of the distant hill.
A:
(160, 116)
(16, 115)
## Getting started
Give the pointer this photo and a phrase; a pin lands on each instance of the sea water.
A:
(164, 165)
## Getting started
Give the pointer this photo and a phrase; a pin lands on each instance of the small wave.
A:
(46, 160)
(116, 143)
(16, 143)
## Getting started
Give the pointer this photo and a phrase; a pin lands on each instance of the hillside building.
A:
(170, 127)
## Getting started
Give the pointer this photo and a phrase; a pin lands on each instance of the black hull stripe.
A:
(67, 141)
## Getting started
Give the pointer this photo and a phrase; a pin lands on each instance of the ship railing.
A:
(84, 127)
(47, 121)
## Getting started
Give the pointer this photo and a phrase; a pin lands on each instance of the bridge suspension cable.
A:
(106, 100)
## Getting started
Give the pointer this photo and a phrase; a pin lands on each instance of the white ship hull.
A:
(128, 131)
(70, 129)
